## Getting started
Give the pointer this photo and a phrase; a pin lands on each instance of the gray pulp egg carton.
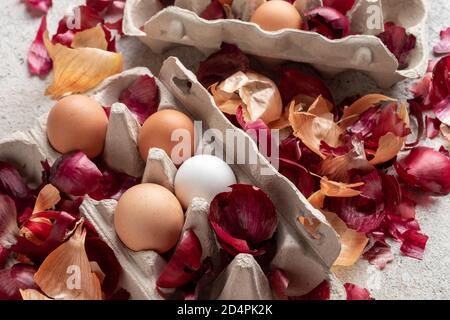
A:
(161, 28)
(305, 258)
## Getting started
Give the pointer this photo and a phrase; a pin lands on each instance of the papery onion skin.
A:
(414, 244)
(355, 292)
(329, 22)
(426, 169)
(116, 25)
(243, 219)
(258, 131)
(213, 11)
(117, 7)
(71, 206)
(88, 18)
(363, 213)
(141, 97)
(344, 168)
(296, 163)
(398, 42)
(53, 275)
(4, 254)
(184, 264)
(444, 151)
(443, 47)
(279, 284)
(395, 226)
(112, 184)
(352, 242)
(442, 110)
(8, 222)
(47, 198)
(256, 95)
(391, 187)
(39, 62)
(293, 149)
(17, 277)
(41, 6)
(90, 38)
(407, 208)
(11, 181)
(343, 6)
(97, 250)
(75, 174)
(328, 150)
(222, 64)
(293, 83)
(31, 294)
(299, 176)
(312, 130)
(62, 224)
(379, 256)
(99, 6)
(433, 127)
(421, 89)
(440, 82)
(81, 69)
(416, 111)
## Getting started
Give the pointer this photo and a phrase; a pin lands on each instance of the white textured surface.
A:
(22, 101)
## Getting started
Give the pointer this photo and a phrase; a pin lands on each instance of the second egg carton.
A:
(161, 28)
(305, 259)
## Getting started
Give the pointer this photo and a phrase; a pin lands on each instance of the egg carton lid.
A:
(180, 88)
(162, 28)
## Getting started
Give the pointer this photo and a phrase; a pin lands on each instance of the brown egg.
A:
(77, 123)
(276, 15)
(157, 133)
(149, 217)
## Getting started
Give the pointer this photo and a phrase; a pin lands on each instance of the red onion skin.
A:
(141, 97)
(330, 19)
(20, 276)
(243, 219)
(75, 174)
(356, 293)
(222, 64)
(184, 263)
(426, 169)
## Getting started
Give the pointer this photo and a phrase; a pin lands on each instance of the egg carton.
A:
(162, 28)
(305, 258)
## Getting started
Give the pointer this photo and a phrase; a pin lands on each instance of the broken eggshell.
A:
(161, 28)
(141, 269)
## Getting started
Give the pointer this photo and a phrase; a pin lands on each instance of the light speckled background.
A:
(22, 101)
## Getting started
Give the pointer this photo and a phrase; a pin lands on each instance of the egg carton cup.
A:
(305, 258)
(162, 28)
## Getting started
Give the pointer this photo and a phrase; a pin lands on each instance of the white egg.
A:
(203, 176)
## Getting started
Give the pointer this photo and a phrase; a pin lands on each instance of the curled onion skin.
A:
(329, 22)
(222, 64)
(75, 174)
(426, 169)
(20, 276)
(398, 42)
(184, 264)
(343, 6)
(243, 219)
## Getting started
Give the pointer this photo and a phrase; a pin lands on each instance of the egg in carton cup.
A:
(162, 28)
(306, 259)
